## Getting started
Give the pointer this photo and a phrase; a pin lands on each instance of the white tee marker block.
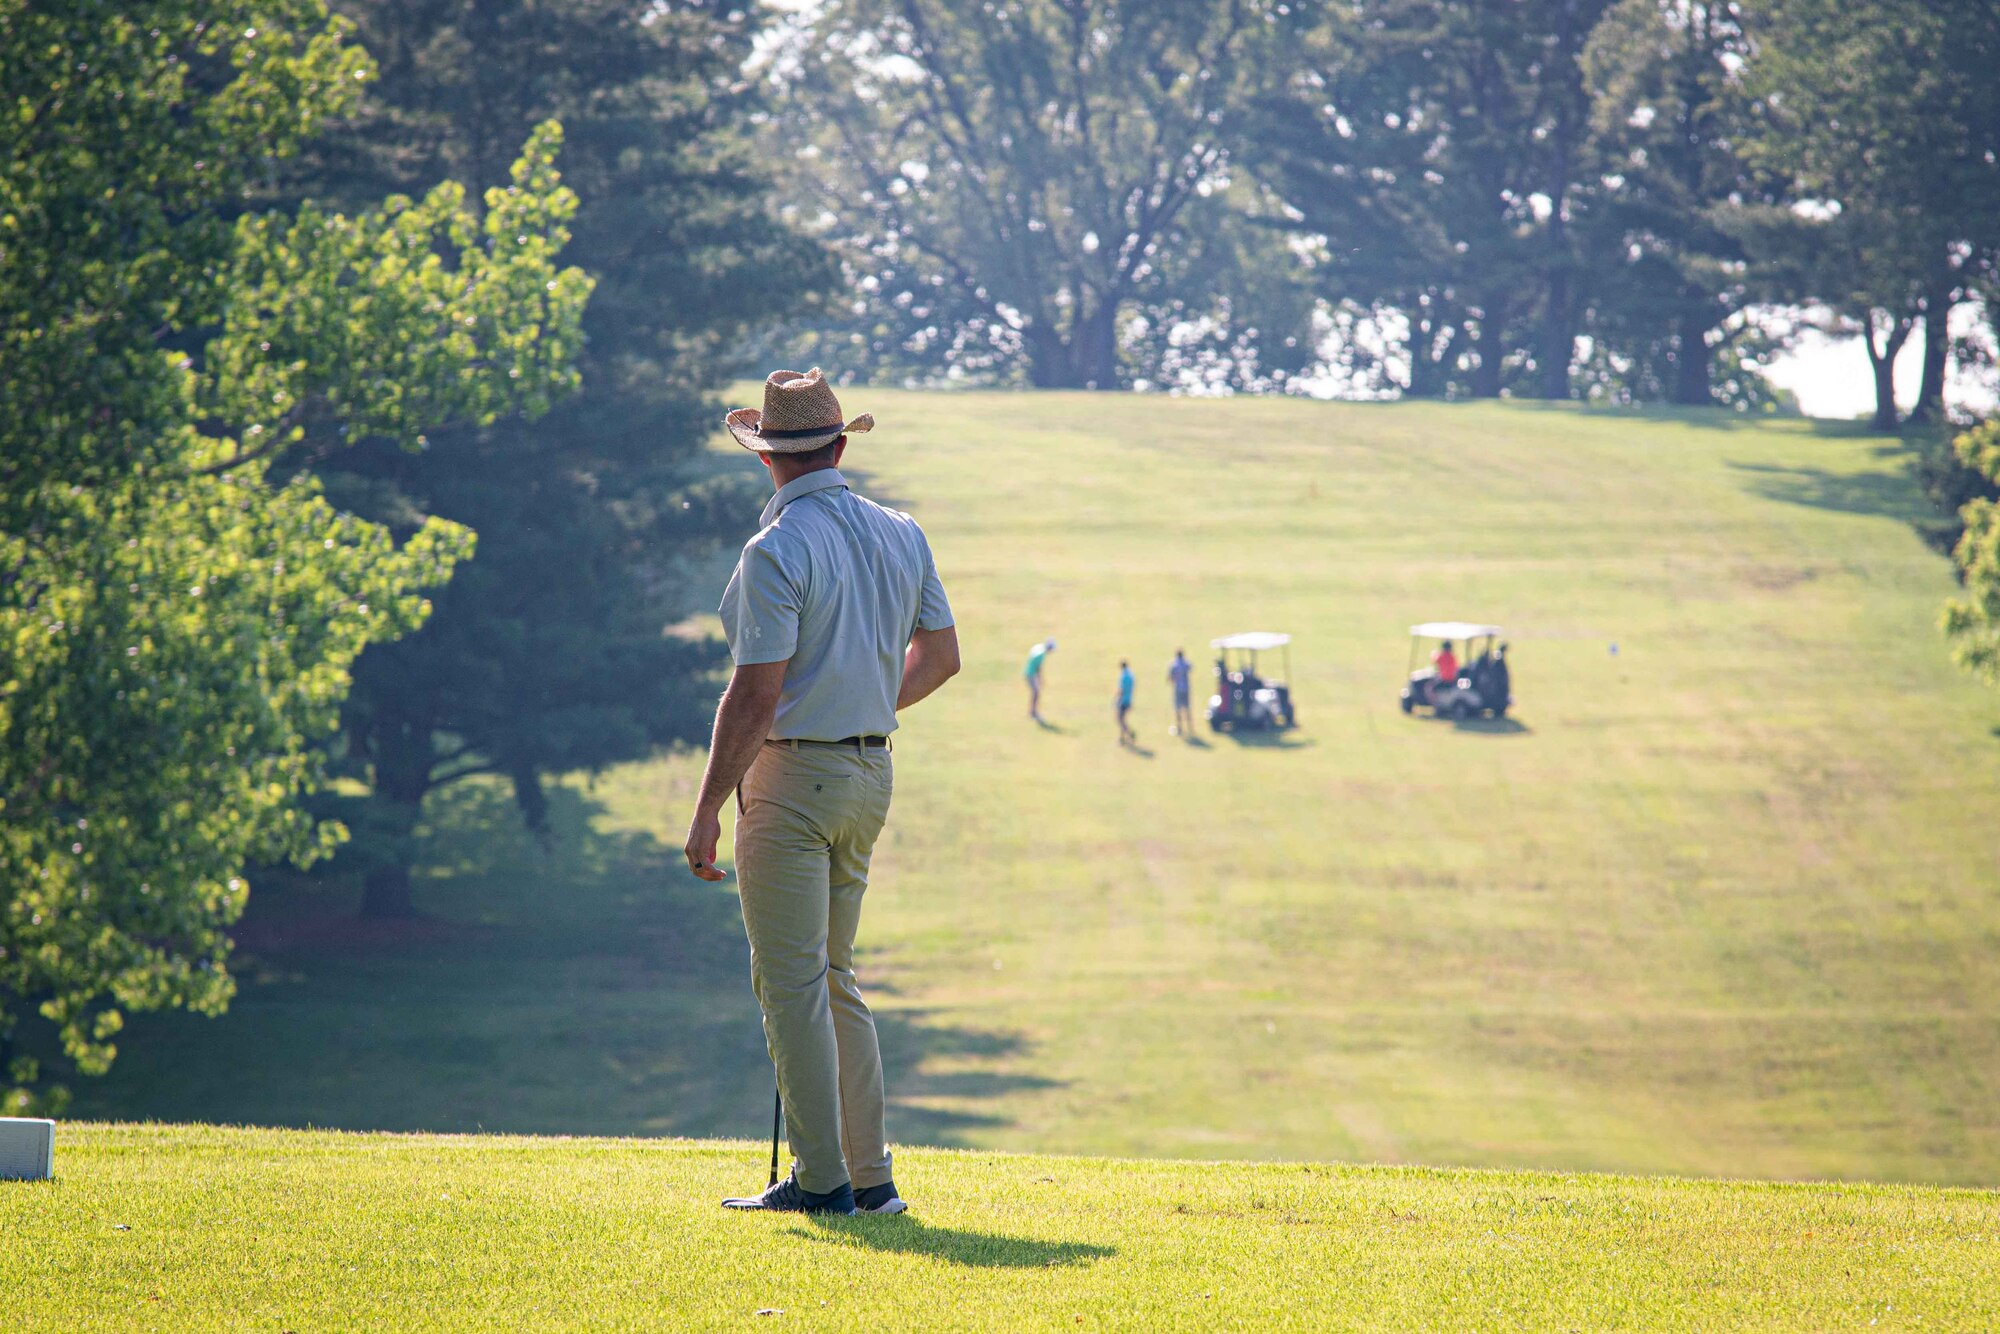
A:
(27, 1149)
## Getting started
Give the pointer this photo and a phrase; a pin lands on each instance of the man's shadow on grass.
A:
(907, 1235)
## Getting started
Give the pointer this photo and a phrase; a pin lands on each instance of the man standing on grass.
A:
(1180, 675)
(1033, 674)
(836, 619)
(1126, 736)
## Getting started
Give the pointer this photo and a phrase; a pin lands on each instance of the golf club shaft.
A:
(777, 1114)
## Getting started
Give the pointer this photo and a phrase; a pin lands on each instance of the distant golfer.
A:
(1033, 674)
(1126, 736)
(836, 619)
(1180, 675)
(1446, 679)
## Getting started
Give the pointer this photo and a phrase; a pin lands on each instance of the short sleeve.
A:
(933, 611)
(760, 609)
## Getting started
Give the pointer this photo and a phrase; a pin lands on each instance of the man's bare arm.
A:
(742, 722)
(931, 661)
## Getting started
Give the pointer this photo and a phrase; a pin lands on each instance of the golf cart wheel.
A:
(1409, 704)
(1460, 711)
(1500, 712)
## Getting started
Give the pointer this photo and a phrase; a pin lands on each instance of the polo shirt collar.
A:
(823, 479)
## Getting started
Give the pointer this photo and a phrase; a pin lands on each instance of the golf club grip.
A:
(777, 1114)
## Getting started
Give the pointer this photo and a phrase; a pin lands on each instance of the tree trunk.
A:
(1558, 340)
(1556, 345)
(403, 749)
(1487, 344)
(1094, 348)
(1430, 364)
(1048, 359)
(1896, 332)
(1693, 359)
(1937, 348)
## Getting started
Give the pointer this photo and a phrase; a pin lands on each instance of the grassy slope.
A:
(176, 1228)
(1725, 903)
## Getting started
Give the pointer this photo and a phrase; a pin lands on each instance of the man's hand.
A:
(704, 832)
(742, 721)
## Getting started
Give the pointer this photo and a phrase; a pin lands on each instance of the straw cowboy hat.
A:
(800, 413)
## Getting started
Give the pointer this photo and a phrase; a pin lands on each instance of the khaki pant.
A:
(809, 821)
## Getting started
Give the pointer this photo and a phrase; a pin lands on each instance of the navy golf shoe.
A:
(880, 1199)
(790, 1197)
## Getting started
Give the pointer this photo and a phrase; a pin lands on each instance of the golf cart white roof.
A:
(1454, 630)
(1256, 641)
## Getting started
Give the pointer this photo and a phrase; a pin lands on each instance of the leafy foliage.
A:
(1972, 621)
(548, 651)
(1883, 120)
(176, 625)
(1438, 147)
(1045, 190)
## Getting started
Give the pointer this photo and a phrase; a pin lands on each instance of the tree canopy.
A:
(1043, 187)
(1556, 198)
(549, 653)
(1883, 121)
(177, 623)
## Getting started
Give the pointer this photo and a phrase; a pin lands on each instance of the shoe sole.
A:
(892, 1207)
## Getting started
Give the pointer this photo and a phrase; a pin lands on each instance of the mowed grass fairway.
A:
(1724, 903)
(202, 1228)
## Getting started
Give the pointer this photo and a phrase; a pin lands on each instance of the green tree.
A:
(1442, 149)
(1884, 118)
(1044, 189)
(1674, 277)
(177, 623)
(549, 653)
(1972, 621)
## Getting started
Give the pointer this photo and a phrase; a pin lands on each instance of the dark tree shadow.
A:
(1707, 418)
(587, 987)
(907, 1235)
(1892, 495)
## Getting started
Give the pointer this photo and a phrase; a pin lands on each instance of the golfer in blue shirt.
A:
(1126, 736)
(1180, 675)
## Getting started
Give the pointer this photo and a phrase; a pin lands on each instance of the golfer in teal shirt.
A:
(1033, 674)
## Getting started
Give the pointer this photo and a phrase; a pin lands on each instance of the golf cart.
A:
(1243, 699)
(1482, 685)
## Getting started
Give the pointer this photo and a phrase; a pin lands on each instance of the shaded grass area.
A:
(574, 986)
(185, 1227)
(1719, 898)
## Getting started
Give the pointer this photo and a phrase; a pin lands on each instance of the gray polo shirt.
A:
(837, 585)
